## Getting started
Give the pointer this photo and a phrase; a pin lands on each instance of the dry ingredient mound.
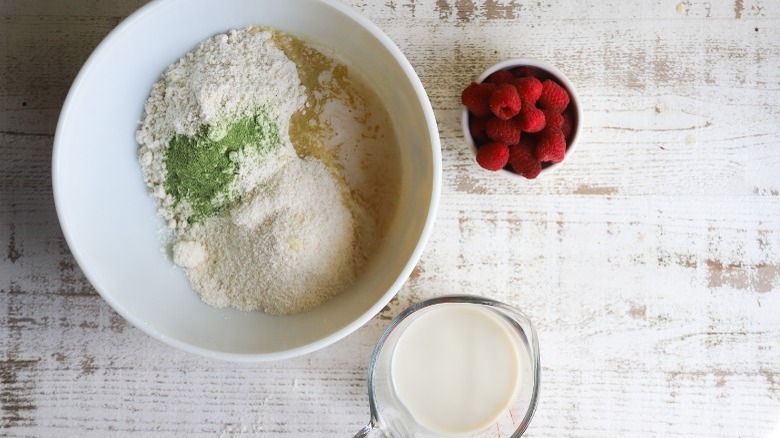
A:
(227, 77)
(255, 227)
(275, 252)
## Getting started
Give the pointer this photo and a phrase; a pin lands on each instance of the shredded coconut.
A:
(292, 241)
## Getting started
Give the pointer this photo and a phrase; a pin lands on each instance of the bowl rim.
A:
(325, 341)
(553, 71)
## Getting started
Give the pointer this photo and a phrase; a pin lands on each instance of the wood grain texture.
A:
(650, 261)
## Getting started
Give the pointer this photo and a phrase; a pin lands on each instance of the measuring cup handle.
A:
(371, 431)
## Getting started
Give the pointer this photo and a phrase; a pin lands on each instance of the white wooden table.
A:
(650, 262)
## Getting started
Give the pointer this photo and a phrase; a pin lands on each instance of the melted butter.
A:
(313, 135)
(324, 79)
(344, 125)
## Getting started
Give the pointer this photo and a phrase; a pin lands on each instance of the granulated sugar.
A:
(293, 237)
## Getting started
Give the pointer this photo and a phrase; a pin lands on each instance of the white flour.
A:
(226, 76)
(291, 242)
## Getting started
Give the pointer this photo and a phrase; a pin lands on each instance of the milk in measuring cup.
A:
(457, 368)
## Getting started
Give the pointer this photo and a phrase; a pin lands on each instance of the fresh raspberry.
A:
(529, 88)
(531, 119)
(552, 146)
(523, 161)
(522, 72)
(529, 141)
(552, 119)
(505, 102)
(553, 97)
(493, 156)
(500, 77)
(476, 98)
(503, 131)
(567, 125)
(477, 130)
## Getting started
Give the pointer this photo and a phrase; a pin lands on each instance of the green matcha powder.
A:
(202, 168)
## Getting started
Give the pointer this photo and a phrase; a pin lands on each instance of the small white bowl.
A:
(110, 222)
(553, 73)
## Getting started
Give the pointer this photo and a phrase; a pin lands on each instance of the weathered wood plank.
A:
(650, 261)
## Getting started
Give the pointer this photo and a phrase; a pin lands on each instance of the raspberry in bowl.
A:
(522, 117)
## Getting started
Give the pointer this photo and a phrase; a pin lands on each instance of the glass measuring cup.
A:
(390, 418)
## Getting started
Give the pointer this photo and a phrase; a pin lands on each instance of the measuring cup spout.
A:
(372, 431)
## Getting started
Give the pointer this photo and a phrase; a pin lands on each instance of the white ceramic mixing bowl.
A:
(110, 221)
